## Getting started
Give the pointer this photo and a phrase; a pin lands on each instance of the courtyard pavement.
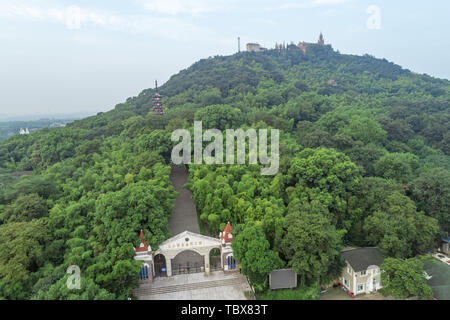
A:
(197, 286)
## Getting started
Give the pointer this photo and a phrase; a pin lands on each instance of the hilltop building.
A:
(255, 47)
(187, 252)
(321, 40)
(302, 46)
(24, 131)
(280, 46)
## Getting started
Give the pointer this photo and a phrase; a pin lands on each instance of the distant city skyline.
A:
(82, 56)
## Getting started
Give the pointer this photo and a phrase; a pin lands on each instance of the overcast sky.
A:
(85, 56)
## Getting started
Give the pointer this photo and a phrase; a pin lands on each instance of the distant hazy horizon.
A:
(45, 116)
(82, 57)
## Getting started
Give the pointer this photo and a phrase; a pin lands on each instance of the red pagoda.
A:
(226, 235)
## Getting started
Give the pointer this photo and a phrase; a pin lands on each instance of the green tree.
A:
(404, 278)
(219, 117)
(431, 191)
(139, 205)
(22, 246)
(370, 195)
(398, 166)
(327, 176)
(25, 208)
(399, 229)
(311, 244)
(88, 291)
(252, 250)
(365, 129)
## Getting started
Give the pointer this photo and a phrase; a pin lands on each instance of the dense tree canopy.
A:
(404, 278)
(431, 192)
(311, 243)
(252, 250)
(364, 160)
(399, 229)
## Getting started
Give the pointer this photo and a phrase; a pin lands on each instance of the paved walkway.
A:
(197, 286)
(184, 215)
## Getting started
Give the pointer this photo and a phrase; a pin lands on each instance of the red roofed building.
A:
(302, 46)
(143, 247)
(144, 253)
(226, 235)
(228, 261)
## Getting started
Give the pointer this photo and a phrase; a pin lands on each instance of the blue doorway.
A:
(231, 263)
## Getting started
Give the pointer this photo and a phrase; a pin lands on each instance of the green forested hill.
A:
(364, 149)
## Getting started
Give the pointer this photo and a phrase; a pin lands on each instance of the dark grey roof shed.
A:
(360, 259)
(283, 279)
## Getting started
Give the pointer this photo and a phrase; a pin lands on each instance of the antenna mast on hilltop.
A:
(239, 44)
(157, 104)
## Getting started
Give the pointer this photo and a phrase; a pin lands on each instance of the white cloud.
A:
(176, 6)
(312, 3)
(192, 7)
(291, 5)
(20, 10)
(73, 17)
(319, 2)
